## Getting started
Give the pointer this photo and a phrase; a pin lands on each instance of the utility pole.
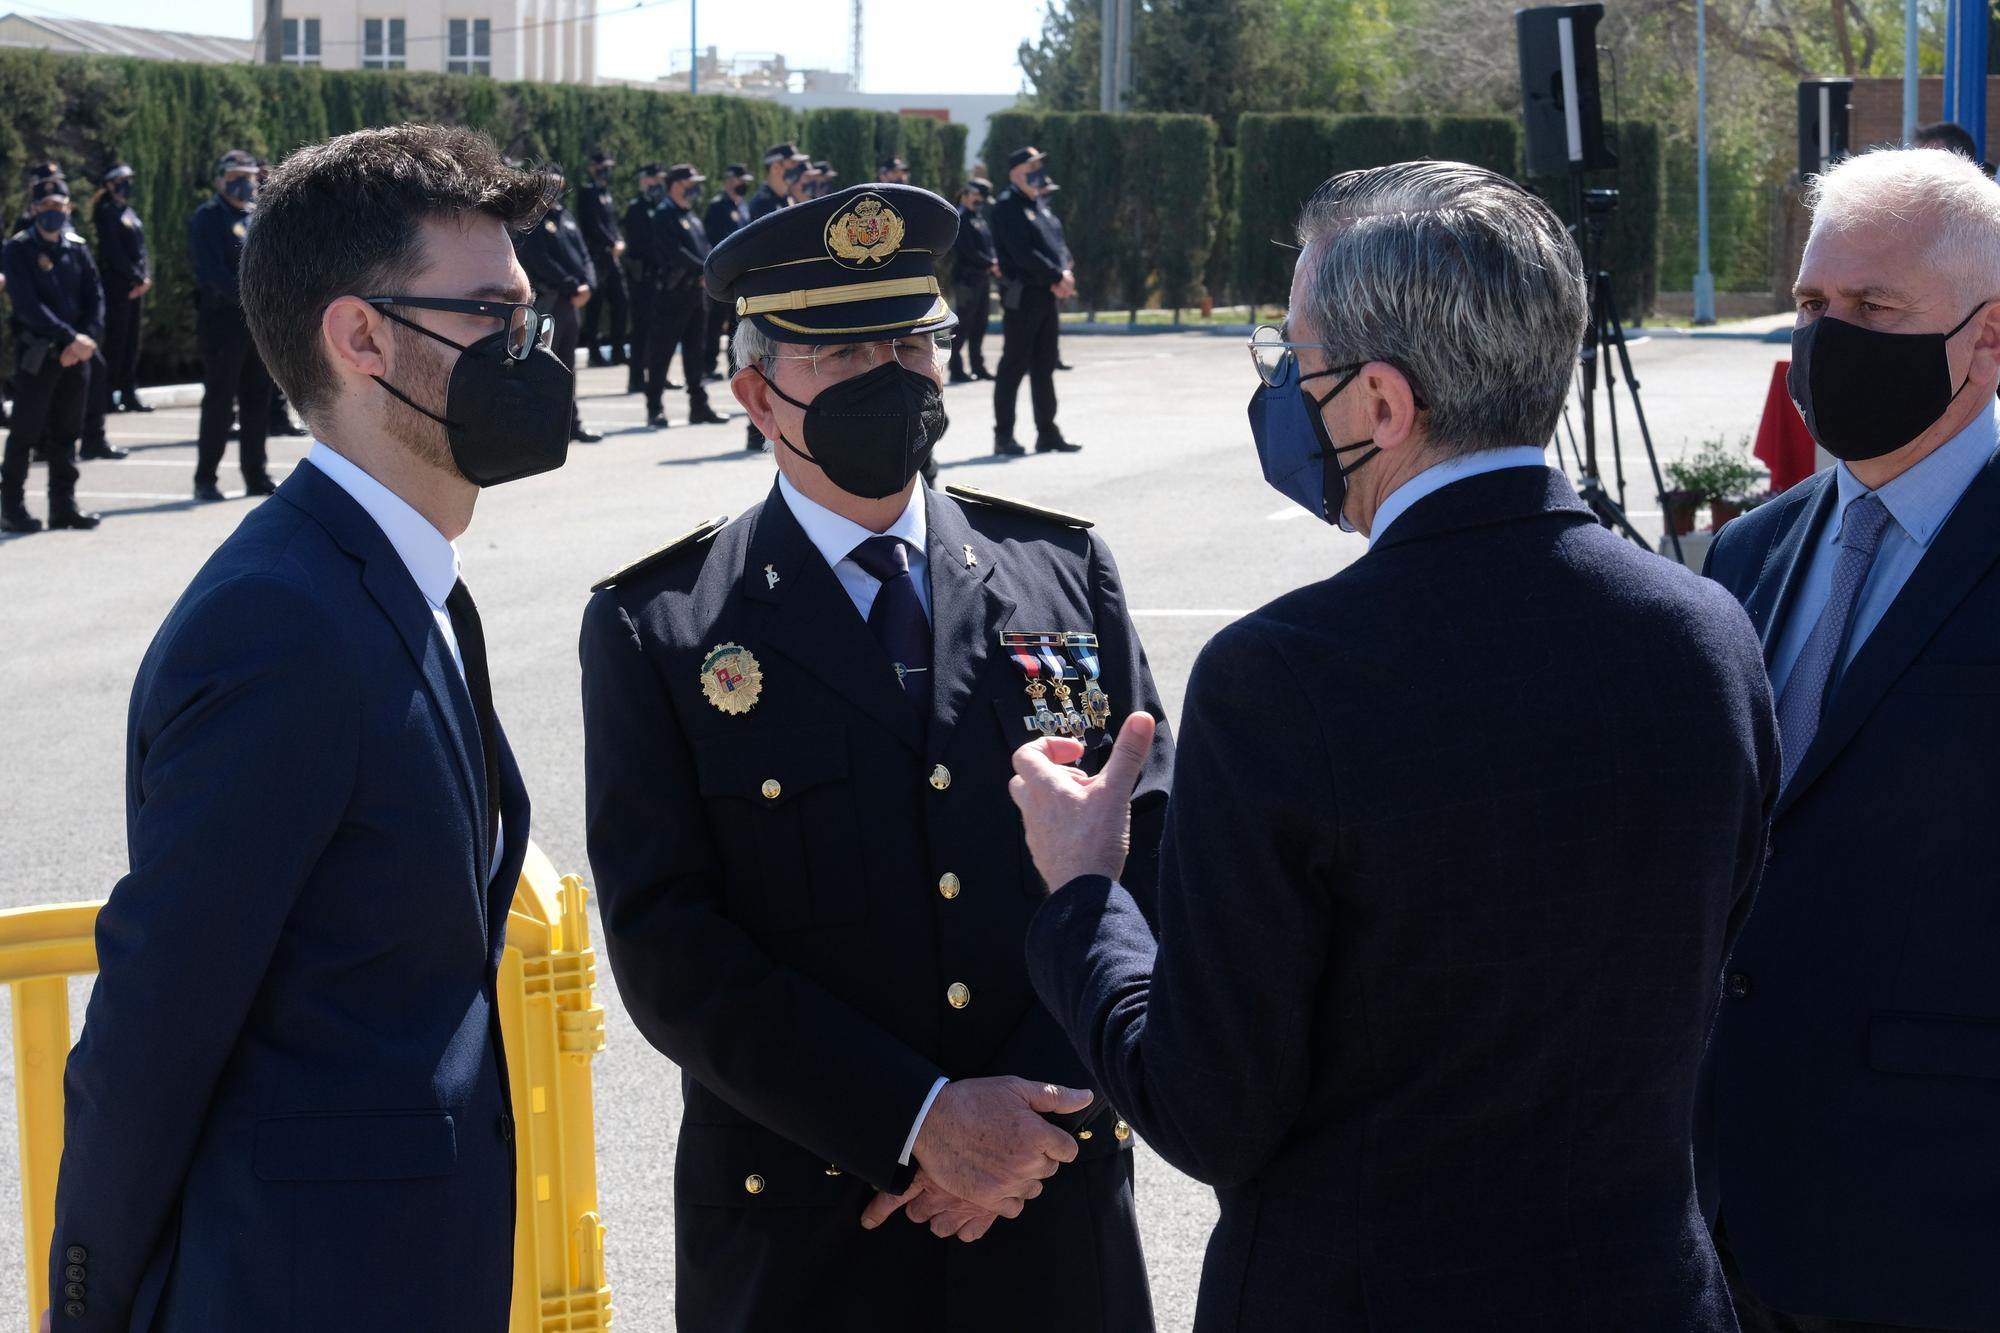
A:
(1704, 281)
(1909, 70)
(1114, 75)
(854, 48)
(274, 32)
(694, 48)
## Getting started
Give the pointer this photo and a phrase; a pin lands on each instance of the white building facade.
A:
(545, 41)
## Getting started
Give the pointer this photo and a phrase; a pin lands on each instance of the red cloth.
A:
(1783, 443)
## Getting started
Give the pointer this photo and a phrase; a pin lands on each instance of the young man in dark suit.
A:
(1850, 1156)
(289, 1108)
(797, 730)
(1459, 837)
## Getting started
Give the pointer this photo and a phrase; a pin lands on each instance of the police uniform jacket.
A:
(597, 215)
(1030, 246)
(725, 214)
(817, 907)
(121, 244)
(288, 1108)
(683, 249)
(215, 246)
(972, 251)
(553, 254)
(766, 200)
(54, 287)
(646, 238)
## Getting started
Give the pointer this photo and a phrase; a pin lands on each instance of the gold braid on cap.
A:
(811, 297)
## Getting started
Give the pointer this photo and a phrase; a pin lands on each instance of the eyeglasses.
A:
(527, 327)
(919, 351)
(1277, 360)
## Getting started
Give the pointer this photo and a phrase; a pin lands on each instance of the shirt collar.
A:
(1921, 499)
(1440, 475)
(431, 560)
(835, 536)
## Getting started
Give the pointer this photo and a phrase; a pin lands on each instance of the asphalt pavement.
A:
(1167, 472)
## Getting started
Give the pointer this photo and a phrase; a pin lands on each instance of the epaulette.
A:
(987, 498)
(692, 537)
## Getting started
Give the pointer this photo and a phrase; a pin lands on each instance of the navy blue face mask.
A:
(1293, 446)
(52, 222)
(243, 189)
(656, 194)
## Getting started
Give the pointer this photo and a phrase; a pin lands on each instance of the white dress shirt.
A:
(431, 559)
(835, 538)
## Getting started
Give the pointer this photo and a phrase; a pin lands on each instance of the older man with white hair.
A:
(1851, 1151)
(1458, 838)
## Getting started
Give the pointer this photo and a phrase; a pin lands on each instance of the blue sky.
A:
(939, 46)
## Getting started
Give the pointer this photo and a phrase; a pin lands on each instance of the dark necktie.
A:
(897, 618)
(472, 650)
(1805, 692)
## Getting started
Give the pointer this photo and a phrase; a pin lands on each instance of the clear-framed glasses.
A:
(918, 351)
(527, 327)
(1277, 360)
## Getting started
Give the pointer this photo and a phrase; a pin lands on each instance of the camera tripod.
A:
(1607, 330)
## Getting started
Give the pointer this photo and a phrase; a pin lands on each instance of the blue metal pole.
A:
(1909, 70)
(1950, 108)
(1973, 23)
(1704, 281)
(694, 49)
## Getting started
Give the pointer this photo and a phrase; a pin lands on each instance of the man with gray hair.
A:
(1459, 837)
(1849, 1148)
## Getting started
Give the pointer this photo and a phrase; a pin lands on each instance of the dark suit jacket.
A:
(790, 948)
(288, 1107)
(1458, 841)
(1853, 1146)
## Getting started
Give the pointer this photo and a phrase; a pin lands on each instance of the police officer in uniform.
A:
(798, 739)
(58, 315)
(972, 265)
(597, 214)
(726, 212)
(232, 373)
(783, 164)
(1034, 277)
(675, 247)
(892, 171)
(638, 228)
(818, 180)
(554, 256)
(127, 271)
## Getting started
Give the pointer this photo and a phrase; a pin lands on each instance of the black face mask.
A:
(655, 194)
(505, 419)
(872, 433)
(1865, 393)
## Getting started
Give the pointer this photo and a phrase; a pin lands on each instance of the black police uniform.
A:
(972, 289)
(725, 214)
(1033, 259)
(553, 255)
(55, 295)
(597, 215)
(815, 888)
(232, 373)
(123, 260)
(676, 317)
(640, 263)
(766, 200)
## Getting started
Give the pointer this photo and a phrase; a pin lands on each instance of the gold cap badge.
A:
(731, 678)
(865, 236)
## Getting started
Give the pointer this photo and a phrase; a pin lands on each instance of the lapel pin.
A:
(770, 577)
(970, 558)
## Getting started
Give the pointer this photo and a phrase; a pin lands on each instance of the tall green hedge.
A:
(1282, 158)
(855, 140)
(1138, 203)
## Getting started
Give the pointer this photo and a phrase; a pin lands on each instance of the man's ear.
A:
(1392, 404)
(754, 392)
(355, 336)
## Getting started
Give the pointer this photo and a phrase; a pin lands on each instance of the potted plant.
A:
(1717, 473)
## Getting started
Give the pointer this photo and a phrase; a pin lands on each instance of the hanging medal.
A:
(1096, 703)
(1021, 647)
(1049, 648)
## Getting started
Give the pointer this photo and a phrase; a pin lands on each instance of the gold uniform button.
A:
(949, 886)
(753, 1184)
(940, 777)
(833, 1170)
(772, 791)
(959, 995)
(1122, 1131)
(1083, 1135)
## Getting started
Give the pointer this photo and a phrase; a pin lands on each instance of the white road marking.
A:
(1188, 613)
(1286, 515)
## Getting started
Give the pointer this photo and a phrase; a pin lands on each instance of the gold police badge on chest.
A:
(240, 231)
(731, 678)
(44, 263)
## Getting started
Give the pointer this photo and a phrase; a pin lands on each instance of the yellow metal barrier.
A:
(550, 1022)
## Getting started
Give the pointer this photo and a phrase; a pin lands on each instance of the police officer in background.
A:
(798, 736)
(972, 269)
(638, 226)
(726, 212)
(819, 179)
(1034, 277)
(553, 255)
(1050, 190)
(674, 247)
(597, 215)
(783, 164)
(127, 273)
(233, 377)
(58, 316)
(892, 171)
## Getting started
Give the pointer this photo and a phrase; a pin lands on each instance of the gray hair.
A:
(752, 346)
(1459, 278)
(1943, 204)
